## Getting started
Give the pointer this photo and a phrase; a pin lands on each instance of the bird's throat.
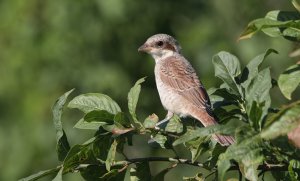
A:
(162, 54)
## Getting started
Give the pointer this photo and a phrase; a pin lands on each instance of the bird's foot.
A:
(161, 124)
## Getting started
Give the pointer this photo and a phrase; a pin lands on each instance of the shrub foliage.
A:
(242, 103)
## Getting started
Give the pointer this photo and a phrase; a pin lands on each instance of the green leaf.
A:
(255, 114)
(95, 119)
(141, 172)
(198, 177)
(223, 166)
(113, 175)
(201, 132)
(250, 163)
(93, 172)
(161, 175)
(101, 116)
(214, 155)
(293, 175)
(121, 119)
(197, 147)
(111, 155)
(92, 151)
(102, 145)
(78, 154)
(58, 177)
(282, 122)
(296, 5)
(289, 80)
(160, 139)
(174, 125)
(251, 70)
(150, 121)
(133, 97)
(62, 144)
(275, 23)
(98, 173)
(258, 91)
(227, 67)
(247, 153)
(94, 101)
(41, 174)
(82, 124)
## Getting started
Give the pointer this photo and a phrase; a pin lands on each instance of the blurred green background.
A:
(48, 47)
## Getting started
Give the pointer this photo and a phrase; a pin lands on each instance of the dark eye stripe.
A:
(168, 46)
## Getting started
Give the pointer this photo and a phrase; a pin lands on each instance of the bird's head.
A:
(160, 45)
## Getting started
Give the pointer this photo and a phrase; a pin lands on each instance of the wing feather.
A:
(181, 77)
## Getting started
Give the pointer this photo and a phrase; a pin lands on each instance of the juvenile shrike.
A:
(179, 88)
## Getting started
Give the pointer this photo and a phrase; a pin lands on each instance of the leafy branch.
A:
(242, 103)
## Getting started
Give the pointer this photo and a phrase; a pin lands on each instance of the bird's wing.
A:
(181, 77)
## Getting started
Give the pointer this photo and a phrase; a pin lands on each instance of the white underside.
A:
(169, 98)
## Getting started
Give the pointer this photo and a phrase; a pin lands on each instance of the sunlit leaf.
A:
(289, 80)
(198, 177)
(133, 97)
(160, 139)
(111, 155)
(58, 177)
(227, 67)
(62, 144)
(223, 166)
(283, 122)
(174, 125)
(247, 153)
(296, 5)
(41, 174)
(251, 70)
(274, 24)
(151, 121)
(293, 175)
(250, 163)
(94, 101)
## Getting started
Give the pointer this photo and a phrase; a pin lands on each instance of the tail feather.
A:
(207, 120)
(224, 140)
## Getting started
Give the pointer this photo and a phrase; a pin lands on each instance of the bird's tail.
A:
(207, 120)
(224, 140)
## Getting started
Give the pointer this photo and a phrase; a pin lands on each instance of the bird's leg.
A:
(167, 118)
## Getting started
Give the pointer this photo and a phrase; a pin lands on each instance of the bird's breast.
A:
(169, 98)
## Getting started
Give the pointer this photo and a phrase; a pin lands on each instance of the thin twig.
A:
(264, 167)
(165, 159)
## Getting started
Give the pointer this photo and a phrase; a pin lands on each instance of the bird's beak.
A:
(144, 48)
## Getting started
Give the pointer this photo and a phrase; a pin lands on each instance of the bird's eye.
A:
(160, 43)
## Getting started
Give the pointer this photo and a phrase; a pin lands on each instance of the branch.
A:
(128, 161)
(165, 159)
(264, 167)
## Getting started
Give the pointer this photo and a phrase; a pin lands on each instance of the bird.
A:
(178, 85)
